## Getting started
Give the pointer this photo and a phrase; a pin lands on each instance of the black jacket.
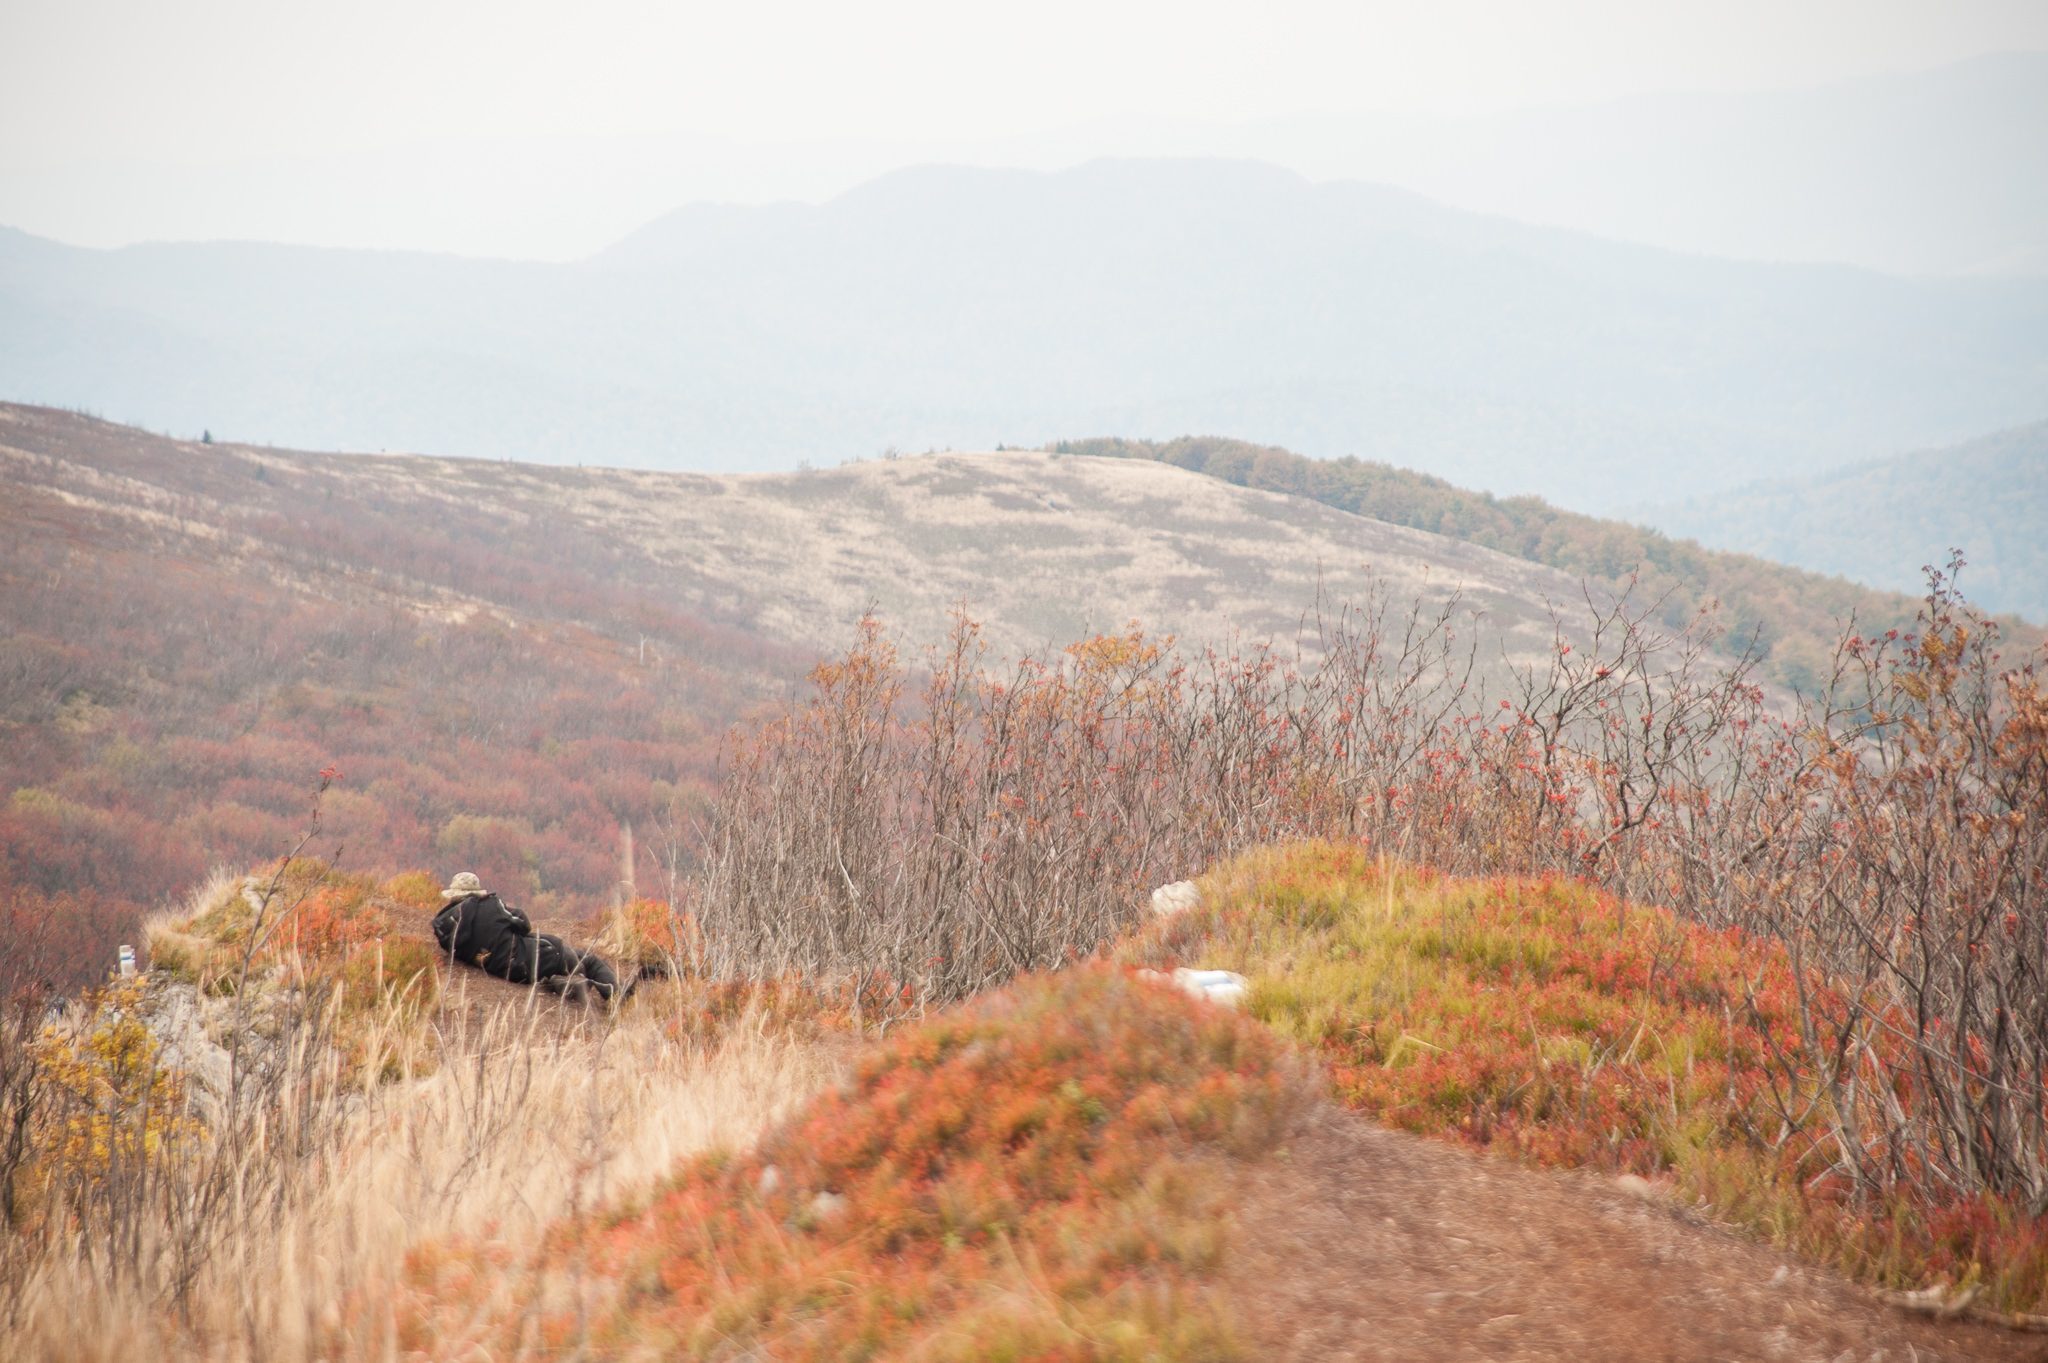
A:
(486, 932)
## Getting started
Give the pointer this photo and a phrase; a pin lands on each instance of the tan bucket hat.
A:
(463, 886)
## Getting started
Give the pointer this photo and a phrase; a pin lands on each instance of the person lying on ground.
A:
(478, 928)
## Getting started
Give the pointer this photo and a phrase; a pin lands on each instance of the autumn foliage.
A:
(1620, 907)
(999, 818)
(501, 697)
(1040, 1174)
(1858, 881)
(1546, 1020)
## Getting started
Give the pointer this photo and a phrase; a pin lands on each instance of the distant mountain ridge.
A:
(1880, 520)
(948, 307)
(1917, 172)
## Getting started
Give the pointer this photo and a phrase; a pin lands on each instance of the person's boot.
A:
(604, 981)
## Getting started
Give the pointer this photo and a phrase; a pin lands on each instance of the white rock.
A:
(1178, 897)
(1224, 987)
(827, 1206)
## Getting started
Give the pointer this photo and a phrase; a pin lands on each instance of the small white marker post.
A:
(127, 960)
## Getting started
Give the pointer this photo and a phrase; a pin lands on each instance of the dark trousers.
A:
(547, 960)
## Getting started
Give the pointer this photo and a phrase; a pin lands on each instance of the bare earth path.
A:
(1372, 1244)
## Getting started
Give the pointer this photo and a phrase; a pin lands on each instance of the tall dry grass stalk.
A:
(290, 1248)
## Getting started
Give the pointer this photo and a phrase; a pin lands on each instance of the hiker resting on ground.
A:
(480, 929)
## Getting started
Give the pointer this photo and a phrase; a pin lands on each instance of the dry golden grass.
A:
(539, 1114)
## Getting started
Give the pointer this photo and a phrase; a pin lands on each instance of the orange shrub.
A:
(1033, 1176)
(331, 922)
(649, 932)
(393, 974)
(388, 989)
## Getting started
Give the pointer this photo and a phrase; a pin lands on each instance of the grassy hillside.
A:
(1795, 615)
(512, 664)
(1879, 521)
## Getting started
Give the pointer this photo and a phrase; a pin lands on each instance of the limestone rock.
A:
(1176, 898)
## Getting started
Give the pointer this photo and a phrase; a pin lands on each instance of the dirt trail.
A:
(1371, 1244)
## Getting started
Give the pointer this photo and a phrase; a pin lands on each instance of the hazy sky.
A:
(102, 78)
(97, 96)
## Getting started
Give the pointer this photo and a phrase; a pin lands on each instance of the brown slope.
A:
(1796, 615)
(1049, 548)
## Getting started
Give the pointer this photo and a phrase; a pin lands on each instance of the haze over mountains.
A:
(1912, 172)
(1916, 173)
(958, 307)
(1880, 520)
(613, 577)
